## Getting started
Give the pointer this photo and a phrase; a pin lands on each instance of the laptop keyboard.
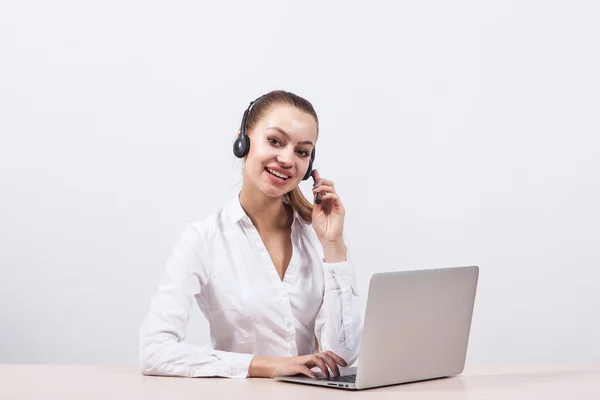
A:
(343, 378)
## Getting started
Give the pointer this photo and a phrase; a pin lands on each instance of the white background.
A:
(457, 133)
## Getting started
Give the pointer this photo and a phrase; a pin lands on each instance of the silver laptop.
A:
(416, 328)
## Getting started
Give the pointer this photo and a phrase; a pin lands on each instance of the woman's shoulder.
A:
(211, 226)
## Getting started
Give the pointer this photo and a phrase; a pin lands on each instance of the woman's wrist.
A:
(335, 251)
(259, 367)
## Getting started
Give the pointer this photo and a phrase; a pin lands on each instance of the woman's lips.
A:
(276, 180)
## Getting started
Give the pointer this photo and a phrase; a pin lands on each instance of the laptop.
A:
(416, 328)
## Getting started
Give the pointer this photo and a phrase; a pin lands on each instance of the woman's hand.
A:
(328, 217)
(269, 367)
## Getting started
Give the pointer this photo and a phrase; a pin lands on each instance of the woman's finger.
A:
(321, 191)
(330, 363)
(324, 182)
(321, 364)
(330, 196)
(337, 358)
(323, 188)
(303, 369)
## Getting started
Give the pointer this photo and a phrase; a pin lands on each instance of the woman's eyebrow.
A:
(284, 133)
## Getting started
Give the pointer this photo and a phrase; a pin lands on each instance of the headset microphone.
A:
(318, 198)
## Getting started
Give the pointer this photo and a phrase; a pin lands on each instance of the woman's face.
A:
(280, 144)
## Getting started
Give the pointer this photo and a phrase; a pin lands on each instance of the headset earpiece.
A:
(241, 146)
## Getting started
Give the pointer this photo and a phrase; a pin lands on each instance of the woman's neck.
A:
(265, 212)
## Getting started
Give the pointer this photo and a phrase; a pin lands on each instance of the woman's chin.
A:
(275, 191)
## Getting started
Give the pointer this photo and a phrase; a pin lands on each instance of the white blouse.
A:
(221, 265)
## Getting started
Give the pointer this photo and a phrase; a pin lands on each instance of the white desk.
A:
(126, 382)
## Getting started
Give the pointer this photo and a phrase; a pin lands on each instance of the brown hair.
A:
(295, 197)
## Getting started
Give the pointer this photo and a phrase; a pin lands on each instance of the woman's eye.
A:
(276, 143)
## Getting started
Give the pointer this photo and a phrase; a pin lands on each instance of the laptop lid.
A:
(416, 325)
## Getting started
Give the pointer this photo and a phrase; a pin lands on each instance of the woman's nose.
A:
(283, 160)
(285, 156)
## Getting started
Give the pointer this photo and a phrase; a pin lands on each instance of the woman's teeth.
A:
(277, 174)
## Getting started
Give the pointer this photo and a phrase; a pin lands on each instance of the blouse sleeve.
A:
(338, 325)
(161, 347)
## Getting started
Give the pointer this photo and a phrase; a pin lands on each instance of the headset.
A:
(241, 146)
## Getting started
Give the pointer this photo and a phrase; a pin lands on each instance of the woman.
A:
(269, 270)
